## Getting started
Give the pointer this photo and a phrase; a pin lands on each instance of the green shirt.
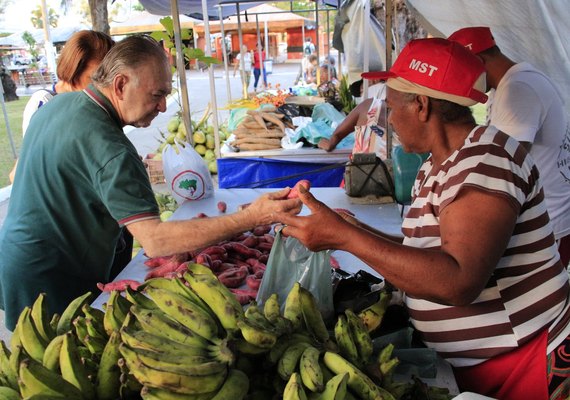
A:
(79, 179)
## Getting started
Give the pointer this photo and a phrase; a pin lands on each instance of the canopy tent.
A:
(58, 35)
(276, 18)
(525, 30)
(194, 9)
(143, 21)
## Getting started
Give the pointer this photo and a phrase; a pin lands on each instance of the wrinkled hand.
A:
(321, 230)
(266, 208)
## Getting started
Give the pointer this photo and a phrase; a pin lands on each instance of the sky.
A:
(18, 14)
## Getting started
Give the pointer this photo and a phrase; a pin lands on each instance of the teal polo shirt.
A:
(79, 179)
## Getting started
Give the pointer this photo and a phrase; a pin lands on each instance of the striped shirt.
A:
(529, 288)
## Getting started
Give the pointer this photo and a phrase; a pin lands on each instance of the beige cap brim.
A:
(403, 85)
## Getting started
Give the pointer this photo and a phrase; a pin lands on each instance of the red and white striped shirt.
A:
(529, 288)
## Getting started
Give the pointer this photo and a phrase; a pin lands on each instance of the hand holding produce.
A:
(294, 193)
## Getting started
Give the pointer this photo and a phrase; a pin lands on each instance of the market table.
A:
(384, 217)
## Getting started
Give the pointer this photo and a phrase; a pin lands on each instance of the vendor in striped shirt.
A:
(479, 266)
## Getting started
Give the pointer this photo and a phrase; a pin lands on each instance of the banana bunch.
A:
(372, 316)
(352, 338)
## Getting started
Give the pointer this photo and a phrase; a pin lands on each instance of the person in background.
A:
(258, 58)
(244, 66)
(368, 122)
(311, 69)
(526, 104)
(478, 263)
(308, 47)
(80, 180)
(80, 56)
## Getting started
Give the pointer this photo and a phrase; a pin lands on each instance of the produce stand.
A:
(385, 217)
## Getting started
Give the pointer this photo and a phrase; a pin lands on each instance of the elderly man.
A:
(526, 104)
(479, 266)
(81, 180)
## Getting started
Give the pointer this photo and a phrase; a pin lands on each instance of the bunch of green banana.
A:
(294, 389)
(116, 310)
(312, 316)
(372, 315)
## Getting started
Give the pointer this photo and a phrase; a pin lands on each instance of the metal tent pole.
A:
(211, 75)
(8, 130)
(225, 55)
(240, 39)
(181, 69)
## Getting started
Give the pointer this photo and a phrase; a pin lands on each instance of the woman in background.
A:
(80, 56)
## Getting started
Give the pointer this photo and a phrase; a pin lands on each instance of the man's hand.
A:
(266, 208)
(325, 144)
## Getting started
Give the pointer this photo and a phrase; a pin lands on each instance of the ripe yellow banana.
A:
(310, 369)
(221, 301)
(293, 310)
(256, 334)
(344, 340)
(373, 315)
(35, 379)
(184, 311)
(41, 318)
(177, 286)
(294, 389)
(51, 355)
(107, 384)
(157, 322)
(289, 361)
(272, 308)
(360, 335)
(244, 347)
(70, 313)
(72, 369)
(176, 382)
(336, 388)
(256, 316)
(312, 315)
(358, 381)
(31, 340)
(235, 386)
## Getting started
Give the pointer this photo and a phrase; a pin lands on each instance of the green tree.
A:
(38, 20)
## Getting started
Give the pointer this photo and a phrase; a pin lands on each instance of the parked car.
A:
(19, 59)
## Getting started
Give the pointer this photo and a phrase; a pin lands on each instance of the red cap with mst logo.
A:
(437, 68)
(474, 38)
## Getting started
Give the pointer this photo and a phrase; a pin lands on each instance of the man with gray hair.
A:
(81, 180)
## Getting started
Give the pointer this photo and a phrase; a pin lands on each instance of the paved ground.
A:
(145, 139)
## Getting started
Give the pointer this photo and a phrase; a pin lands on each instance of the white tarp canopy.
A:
(143, 21)
(58, 35)
(536, 31)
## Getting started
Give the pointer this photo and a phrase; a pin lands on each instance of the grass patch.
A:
(480, 113)
(15, 110)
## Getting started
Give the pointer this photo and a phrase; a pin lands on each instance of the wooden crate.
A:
(154, 169)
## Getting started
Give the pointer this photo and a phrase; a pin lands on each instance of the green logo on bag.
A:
(189, 185)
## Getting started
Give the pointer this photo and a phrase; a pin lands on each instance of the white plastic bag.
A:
(186, 173)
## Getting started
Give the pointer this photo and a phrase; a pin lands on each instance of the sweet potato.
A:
(222, 206)
(118, 285)
(253, 282)
(294, 193)
(244, 296)
(161, 271)
(233, 278)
